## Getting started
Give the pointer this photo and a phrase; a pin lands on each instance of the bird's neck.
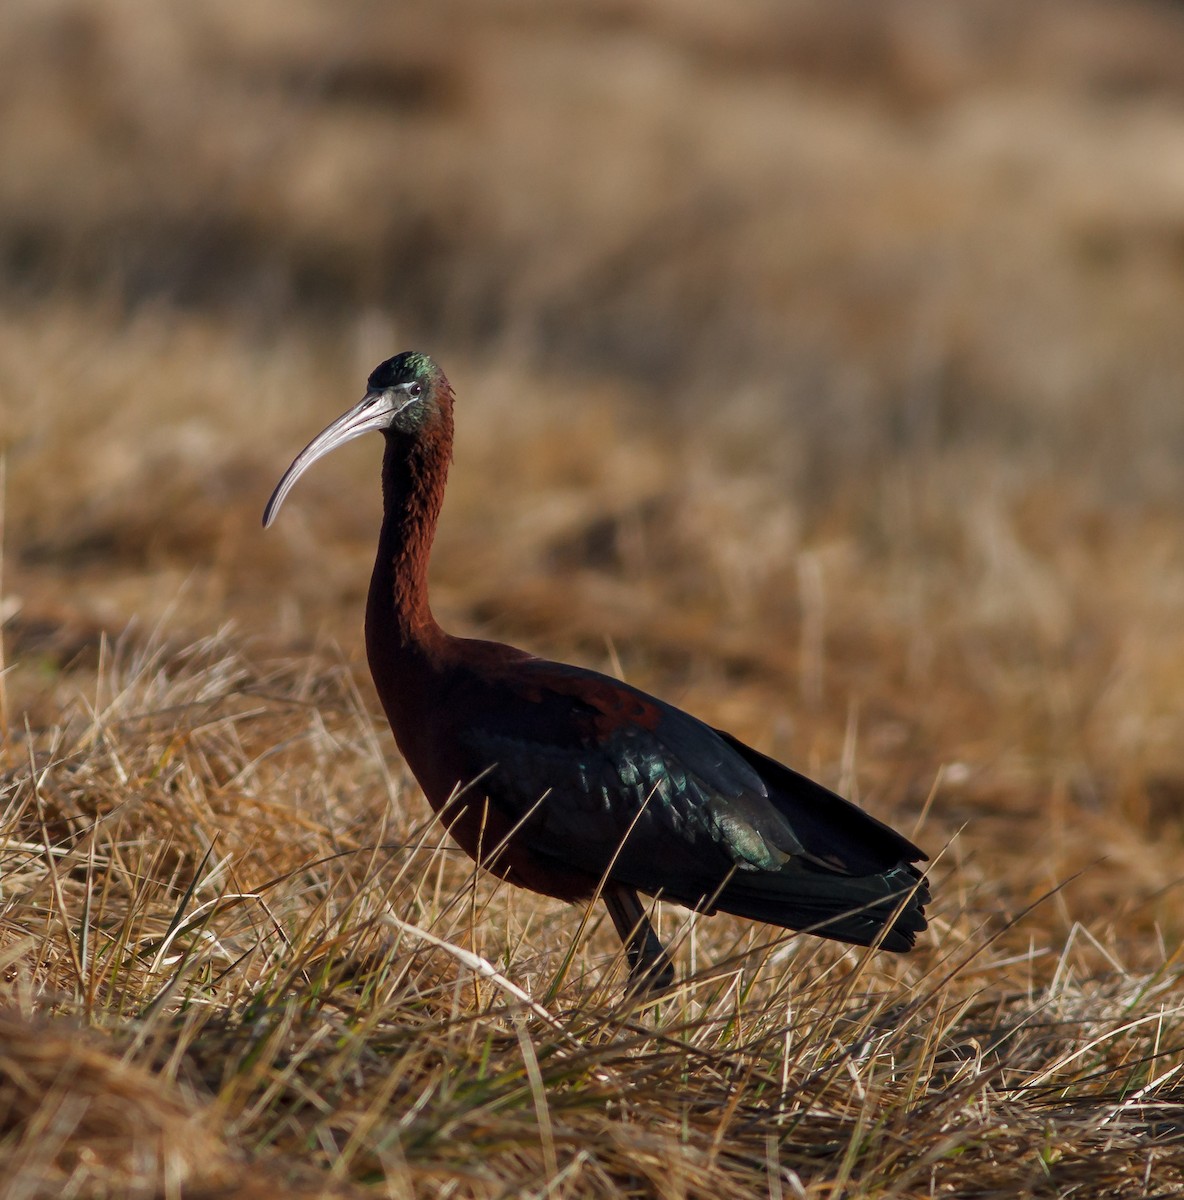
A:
(399, 619)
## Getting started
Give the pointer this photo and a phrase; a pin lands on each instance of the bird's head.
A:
(407, 395)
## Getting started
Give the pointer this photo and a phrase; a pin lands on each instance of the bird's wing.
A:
(609, 774)
(836, 832)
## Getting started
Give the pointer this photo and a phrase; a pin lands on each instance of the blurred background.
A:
(818, 365)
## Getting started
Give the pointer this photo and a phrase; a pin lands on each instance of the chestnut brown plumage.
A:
(573, 784)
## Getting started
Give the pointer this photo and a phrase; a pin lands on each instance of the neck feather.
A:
(414, 471)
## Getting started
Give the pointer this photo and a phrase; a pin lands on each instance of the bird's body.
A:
(570, 783)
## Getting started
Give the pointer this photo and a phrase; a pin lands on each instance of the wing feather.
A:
(615, 776)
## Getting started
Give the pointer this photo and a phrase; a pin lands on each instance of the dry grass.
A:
(193, 870)
(818, 371)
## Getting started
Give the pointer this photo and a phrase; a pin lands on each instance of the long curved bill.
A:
(373, 411)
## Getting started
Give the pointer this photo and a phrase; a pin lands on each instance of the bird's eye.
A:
(414, 390)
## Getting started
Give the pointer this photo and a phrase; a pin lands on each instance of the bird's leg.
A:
(650, 970)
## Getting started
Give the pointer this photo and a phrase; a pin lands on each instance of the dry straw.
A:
(223, 966)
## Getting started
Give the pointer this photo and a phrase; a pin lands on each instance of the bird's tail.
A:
(887, 910)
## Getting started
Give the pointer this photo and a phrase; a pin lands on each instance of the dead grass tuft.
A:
(76, 1118)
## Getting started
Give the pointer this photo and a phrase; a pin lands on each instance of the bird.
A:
(575, 784)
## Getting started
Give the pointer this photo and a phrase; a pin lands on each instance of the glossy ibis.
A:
(573, 784)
